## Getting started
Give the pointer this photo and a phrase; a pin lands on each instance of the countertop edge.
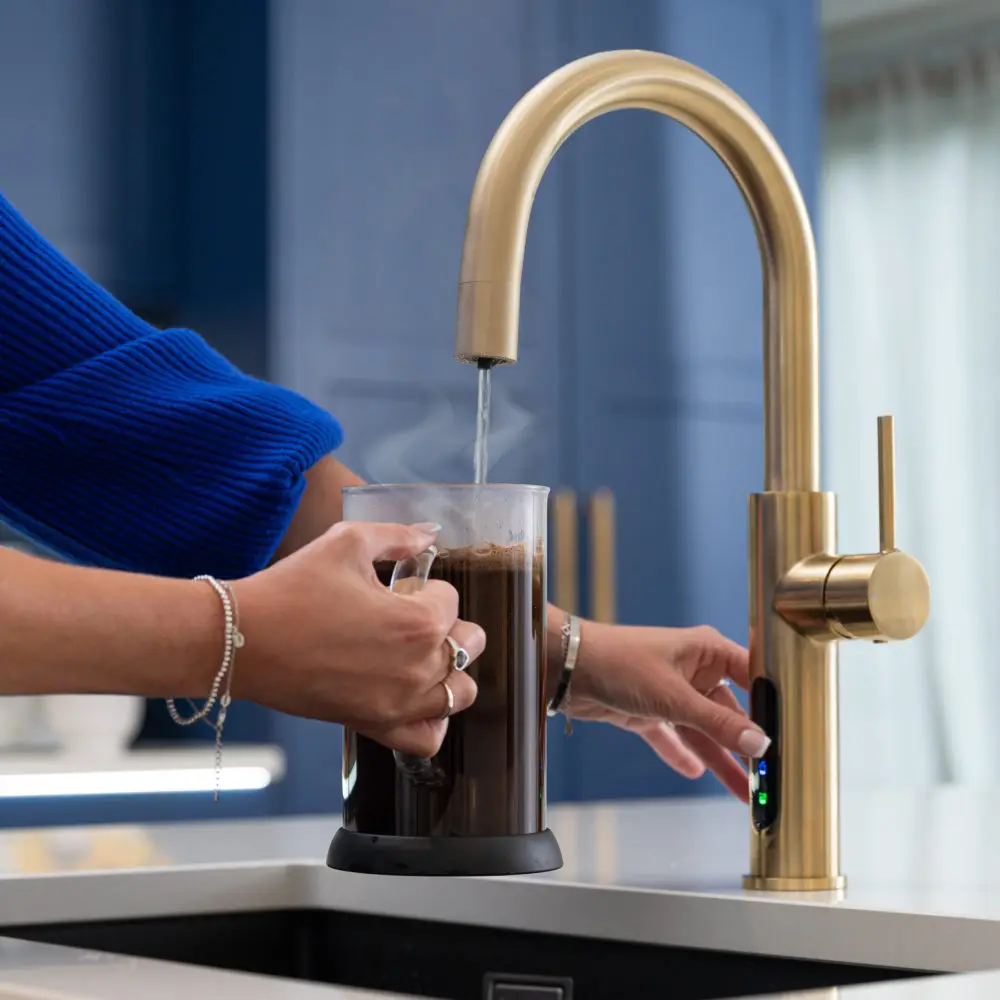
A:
(741, 923)
(746, 923)
(137, 894)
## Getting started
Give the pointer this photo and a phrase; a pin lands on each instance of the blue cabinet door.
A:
(665, 286)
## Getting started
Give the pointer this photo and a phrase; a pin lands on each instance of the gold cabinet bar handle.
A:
(566, 592)
(602, 557)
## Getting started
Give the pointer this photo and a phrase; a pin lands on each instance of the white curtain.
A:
(910, 275)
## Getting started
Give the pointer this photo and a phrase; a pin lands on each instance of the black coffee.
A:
(489, 774)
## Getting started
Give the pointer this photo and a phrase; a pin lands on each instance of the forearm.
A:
(66, 630)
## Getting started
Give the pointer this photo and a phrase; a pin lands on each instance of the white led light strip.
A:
(132, 782)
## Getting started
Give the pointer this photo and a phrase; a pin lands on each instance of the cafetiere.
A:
(478, 806)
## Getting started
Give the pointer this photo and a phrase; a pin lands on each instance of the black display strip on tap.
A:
(764, 773)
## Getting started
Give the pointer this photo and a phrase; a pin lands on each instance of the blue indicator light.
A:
(762, 767)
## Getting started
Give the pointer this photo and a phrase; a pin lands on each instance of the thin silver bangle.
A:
(571, 648)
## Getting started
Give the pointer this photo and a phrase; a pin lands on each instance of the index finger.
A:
(735, 661)
(373, 541)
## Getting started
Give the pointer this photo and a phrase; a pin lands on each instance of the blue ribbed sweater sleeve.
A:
(134, 448)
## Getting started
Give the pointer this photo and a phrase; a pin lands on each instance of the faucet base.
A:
(816, 883)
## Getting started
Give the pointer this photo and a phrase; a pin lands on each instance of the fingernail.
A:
(428, 528)
(753, 743)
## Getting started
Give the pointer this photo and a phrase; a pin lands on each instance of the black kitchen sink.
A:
(450, 961)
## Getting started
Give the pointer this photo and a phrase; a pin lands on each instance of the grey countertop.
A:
(923, 888)
(980, 986)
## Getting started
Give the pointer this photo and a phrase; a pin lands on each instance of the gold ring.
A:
(460, 658)
(451, 700)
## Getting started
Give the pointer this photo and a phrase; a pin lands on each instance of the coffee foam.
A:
(488, 556)
(516, 556)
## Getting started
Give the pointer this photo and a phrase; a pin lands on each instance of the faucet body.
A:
(803, 597)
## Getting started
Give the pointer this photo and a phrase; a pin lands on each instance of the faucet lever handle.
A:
(884, 595)
(881, 596)
(886, 485)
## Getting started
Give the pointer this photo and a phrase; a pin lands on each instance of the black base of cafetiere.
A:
(370, 854)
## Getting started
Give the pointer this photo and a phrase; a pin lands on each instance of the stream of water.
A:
(481, 453)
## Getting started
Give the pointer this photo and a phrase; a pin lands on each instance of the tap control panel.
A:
(765, 773)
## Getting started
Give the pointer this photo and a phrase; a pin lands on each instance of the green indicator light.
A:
(762, 798)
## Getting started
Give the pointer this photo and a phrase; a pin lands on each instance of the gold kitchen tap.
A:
(803, 597)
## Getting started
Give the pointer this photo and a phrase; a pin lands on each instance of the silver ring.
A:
(451, 700)
(724, 683)
(459, 657)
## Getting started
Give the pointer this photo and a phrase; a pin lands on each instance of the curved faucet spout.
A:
(489, 289)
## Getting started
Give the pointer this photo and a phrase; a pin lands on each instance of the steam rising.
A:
(440, 447)
(409, 454)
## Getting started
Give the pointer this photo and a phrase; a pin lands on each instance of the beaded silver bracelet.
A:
(222, 684)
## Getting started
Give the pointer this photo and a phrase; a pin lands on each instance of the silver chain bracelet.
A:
(222, 684)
